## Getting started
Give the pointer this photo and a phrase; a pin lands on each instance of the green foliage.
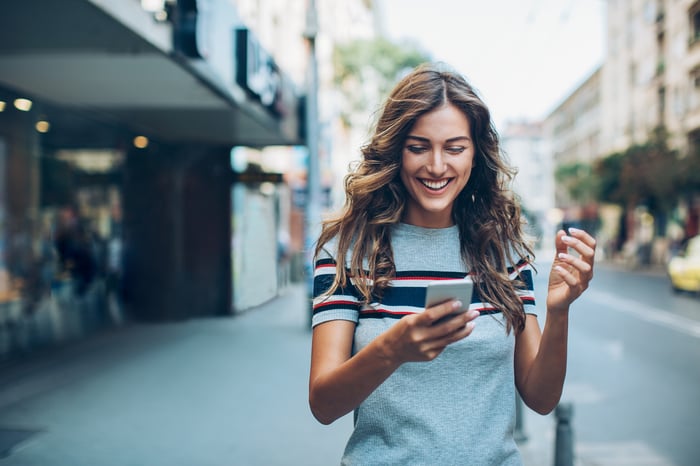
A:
(366, 70)
(689, 168)
(647, 174)
(608, 171)
(579, 181)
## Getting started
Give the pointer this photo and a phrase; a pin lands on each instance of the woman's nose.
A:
(437, 165)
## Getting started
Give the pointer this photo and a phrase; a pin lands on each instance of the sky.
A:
(524, 56)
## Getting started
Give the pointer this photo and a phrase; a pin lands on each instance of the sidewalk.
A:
(219, 391)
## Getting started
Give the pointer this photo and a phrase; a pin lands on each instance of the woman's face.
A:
(437, 160)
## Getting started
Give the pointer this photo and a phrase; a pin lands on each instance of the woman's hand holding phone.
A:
(422, 337)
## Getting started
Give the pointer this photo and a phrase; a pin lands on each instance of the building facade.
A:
(650, 73)
(648, 81)
(526, 147)
(338, 22)
(117, 120)
(573, 132)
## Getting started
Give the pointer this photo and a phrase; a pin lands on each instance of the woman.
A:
(429, 201)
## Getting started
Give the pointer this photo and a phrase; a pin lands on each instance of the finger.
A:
(460, 333)
(559, 243)
(443, 331)
(581, 265)
(580, 246)
(452, 323)
(439, 344)
(439, 311)
(583, 236)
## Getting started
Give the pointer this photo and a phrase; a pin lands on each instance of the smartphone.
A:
(439, 291)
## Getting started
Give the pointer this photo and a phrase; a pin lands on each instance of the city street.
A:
(634, 371)
(166, 167)
(233, 391)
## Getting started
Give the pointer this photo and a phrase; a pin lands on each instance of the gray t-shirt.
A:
(458, 409)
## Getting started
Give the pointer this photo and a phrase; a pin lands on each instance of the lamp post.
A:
(313, 175)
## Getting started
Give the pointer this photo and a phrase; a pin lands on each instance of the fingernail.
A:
(562, 255)
(456, 304)
(574, 230)
(567, 239)
(470, 325)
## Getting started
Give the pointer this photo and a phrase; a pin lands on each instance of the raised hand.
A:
(572, 269)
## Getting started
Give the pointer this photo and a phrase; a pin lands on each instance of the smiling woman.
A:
(436, 164)
(430, 201)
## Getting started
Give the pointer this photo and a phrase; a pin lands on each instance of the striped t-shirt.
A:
(458, 408)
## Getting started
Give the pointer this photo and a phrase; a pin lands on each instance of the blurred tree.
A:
(579, 181)
(366, 70)
(648, 174)
(689, 168)
(609, 170)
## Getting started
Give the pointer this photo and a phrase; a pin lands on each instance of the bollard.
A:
(519, 432)
(564, 443)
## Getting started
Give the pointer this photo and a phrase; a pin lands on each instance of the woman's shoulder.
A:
(329, 250)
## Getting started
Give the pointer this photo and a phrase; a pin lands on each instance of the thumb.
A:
(559, 243)
(435, 313)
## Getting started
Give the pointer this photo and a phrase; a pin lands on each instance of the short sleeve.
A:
(522, 276)
(342, 304)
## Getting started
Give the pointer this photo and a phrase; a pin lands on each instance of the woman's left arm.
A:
(540, 357)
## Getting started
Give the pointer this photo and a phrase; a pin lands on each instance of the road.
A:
(634, 371)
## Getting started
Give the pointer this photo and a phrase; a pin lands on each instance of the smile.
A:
(435, 185)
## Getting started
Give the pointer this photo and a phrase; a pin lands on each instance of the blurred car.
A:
(684, 268)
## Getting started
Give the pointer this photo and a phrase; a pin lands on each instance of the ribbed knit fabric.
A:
(458, 409)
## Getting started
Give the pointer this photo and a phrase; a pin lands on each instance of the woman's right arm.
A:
(339, 381)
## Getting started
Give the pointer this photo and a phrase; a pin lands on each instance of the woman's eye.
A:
(416, 149)
(455, 149)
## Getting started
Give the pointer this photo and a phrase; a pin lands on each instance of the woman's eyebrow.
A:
(459, 138)
(450, 140)
(418, 138)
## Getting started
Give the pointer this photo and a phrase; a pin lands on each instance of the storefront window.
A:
(82, 219)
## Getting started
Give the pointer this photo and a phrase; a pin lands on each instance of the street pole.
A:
(564, 442)
(313, 175)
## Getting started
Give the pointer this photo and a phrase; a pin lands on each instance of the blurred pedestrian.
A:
(76, 244)
(430, 200)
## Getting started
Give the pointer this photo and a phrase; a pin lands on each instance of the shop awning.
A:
(113, 59)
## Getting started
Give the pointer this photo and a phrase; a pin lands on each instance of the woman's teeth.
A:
(436, 185)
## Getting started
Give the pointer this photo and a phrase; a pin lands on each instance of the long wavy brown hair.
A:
(486, 211)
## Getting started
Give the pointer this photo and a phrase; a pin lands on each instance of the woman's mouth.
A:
(435, 185)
